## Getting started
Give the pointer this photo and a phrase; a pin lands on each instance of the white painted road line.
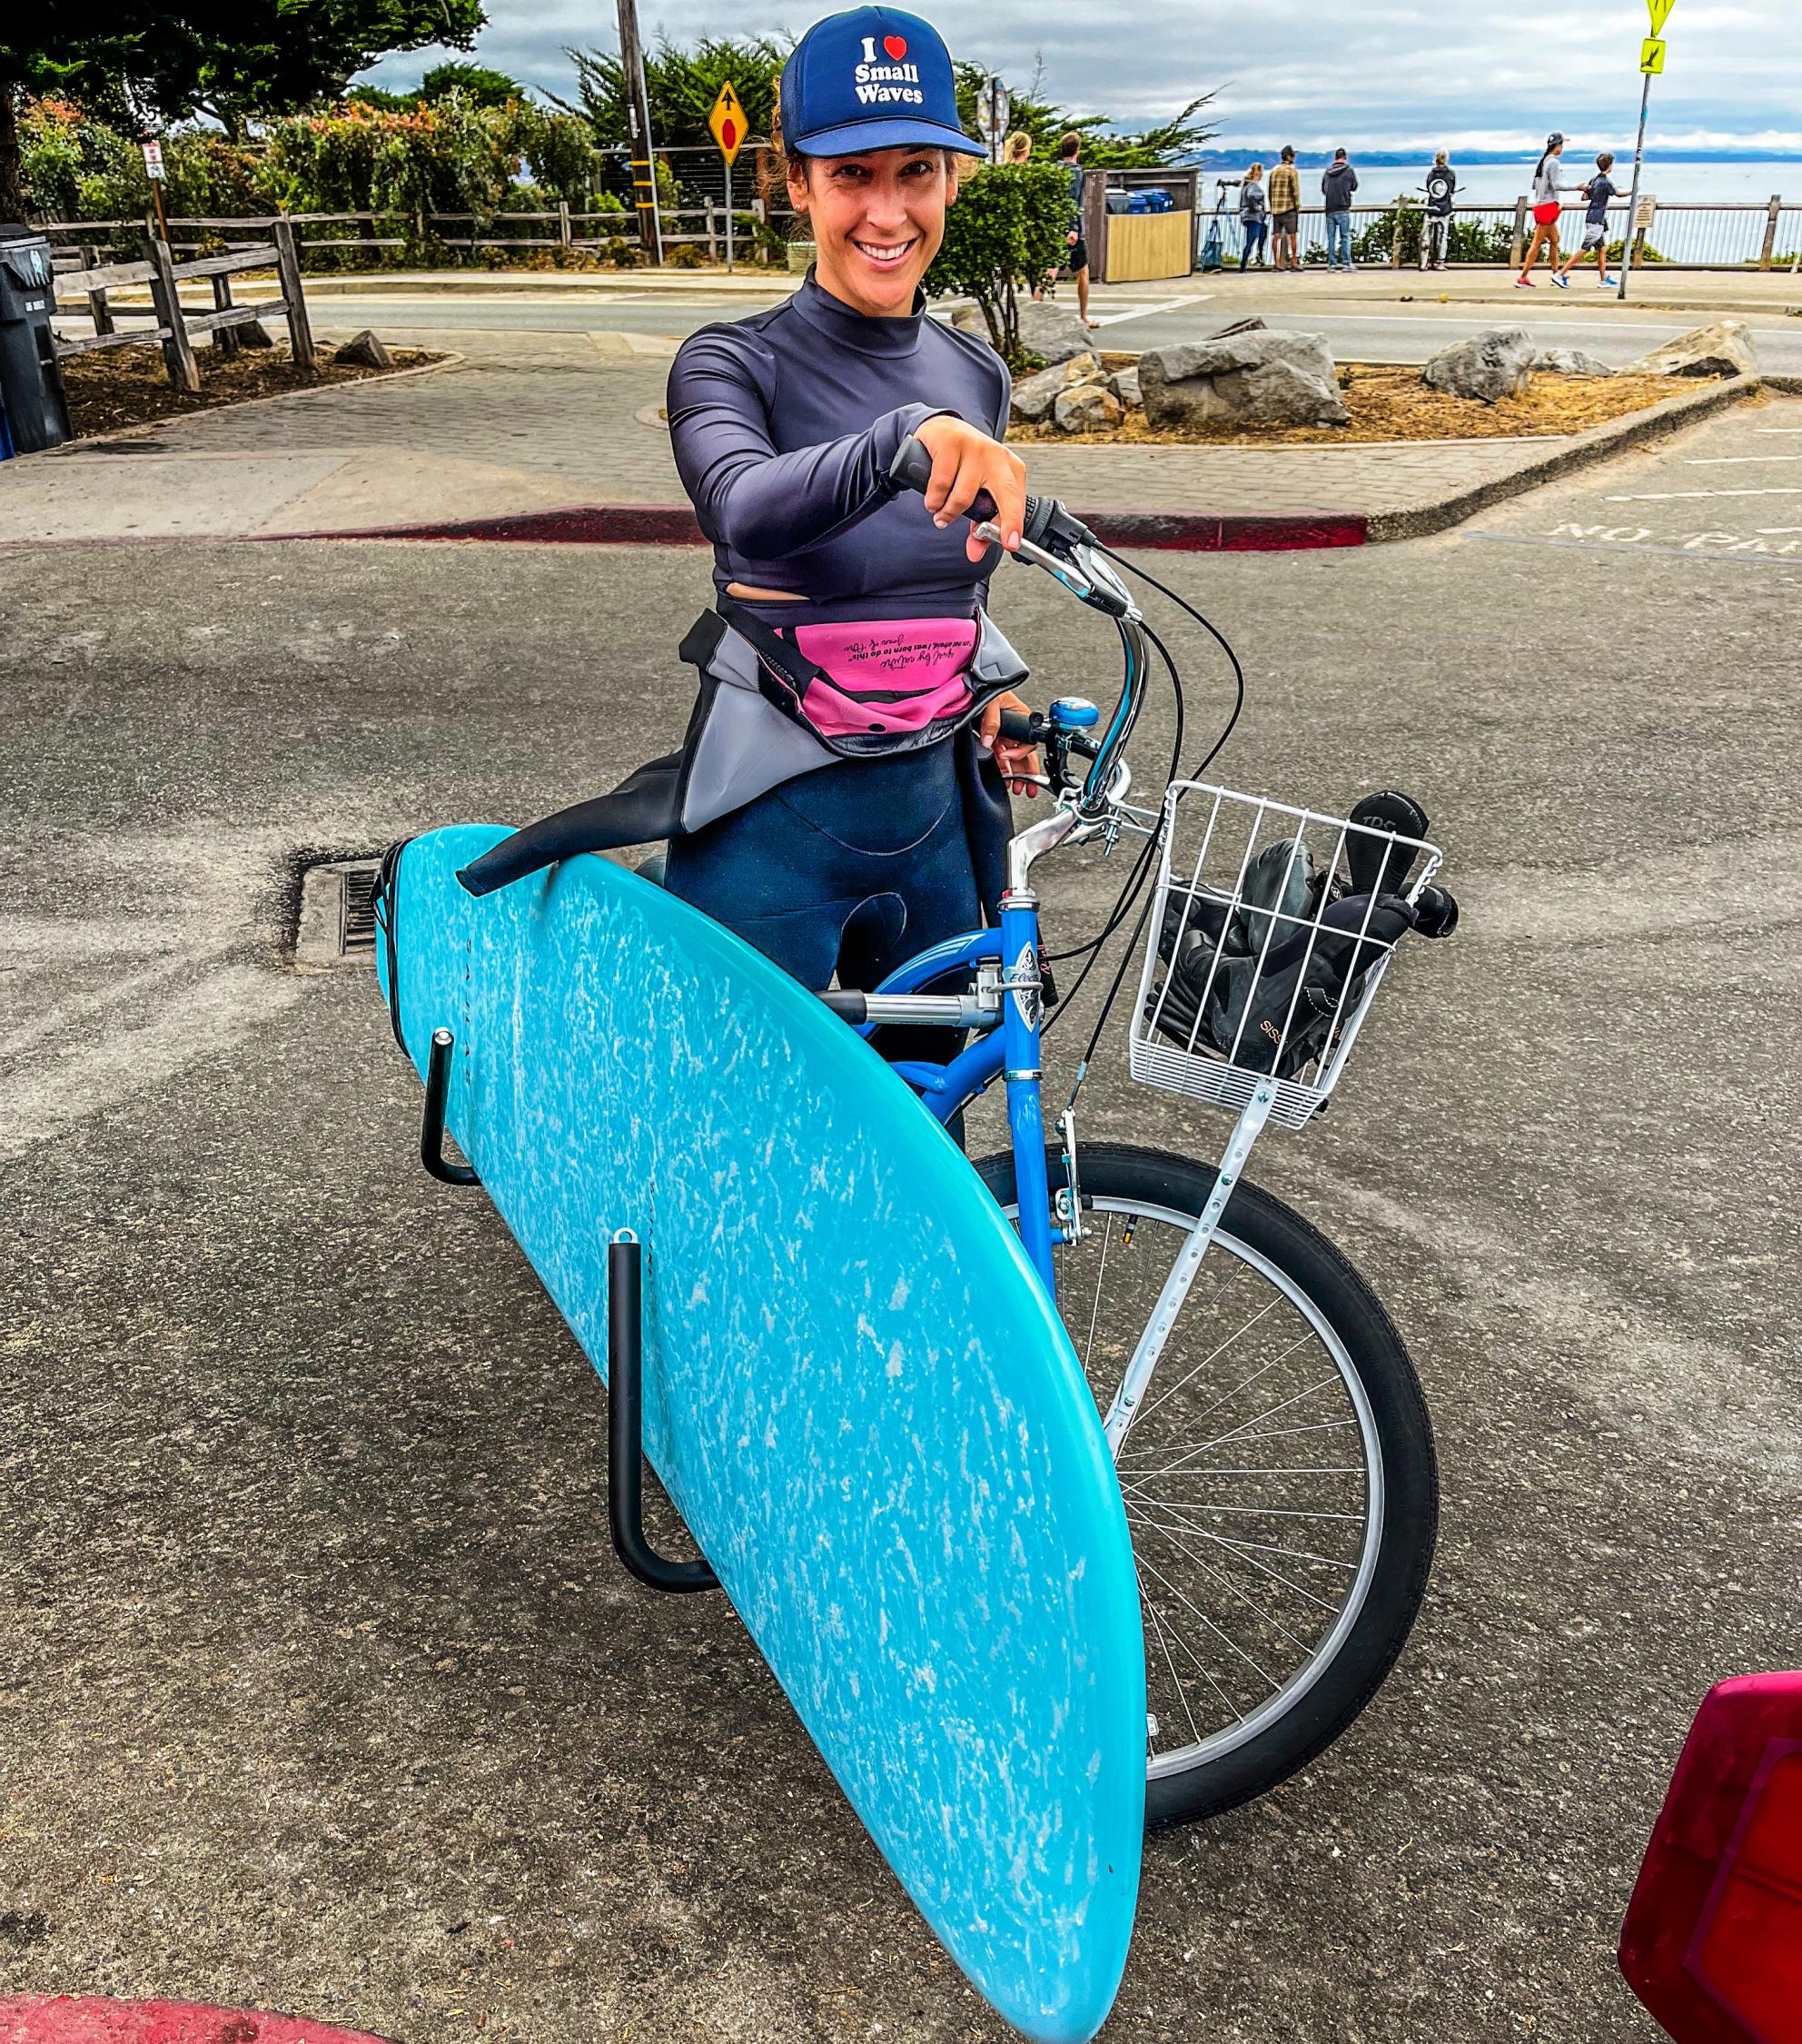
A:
(1779, 428)
(1143, 312)
(1665, 496)
(1602, 546)
(1725, 460)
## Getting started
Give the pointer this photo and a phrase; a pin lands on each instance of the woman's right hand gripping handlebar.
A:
(966, 462)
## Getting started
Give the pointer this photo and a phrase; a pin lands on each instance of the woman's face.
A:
(877, 221)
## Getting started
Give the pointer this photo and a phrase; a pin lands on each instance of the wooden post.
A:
(563, 222)
(712, 235)
(178, 354)
(1769, 249)
(226, 338)
(637, 119)
(1518, 246)
(98, 310)
(1395, 238)
(288, 269)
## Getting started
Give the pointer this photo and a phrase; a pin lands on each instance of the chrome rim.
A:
(1252, 1477)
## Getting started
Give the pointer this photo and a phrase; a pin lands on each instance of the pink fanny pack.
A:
(883, 675)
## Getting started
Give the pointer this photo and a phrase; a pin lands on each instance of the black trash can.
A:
(33, 412)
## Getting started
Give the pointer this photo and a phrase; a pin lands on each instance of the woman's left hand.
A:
(1012, 758)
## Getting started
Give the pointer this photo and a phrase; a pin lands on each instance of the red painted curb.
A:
(636, 525)
(97, 2018)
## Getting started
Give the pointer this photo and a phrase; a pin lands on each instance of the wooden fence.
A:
(174, 329)
(468, 231)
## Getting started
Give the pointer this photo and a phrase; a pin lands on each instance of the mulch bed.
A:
(1390, 402)
(130, 387)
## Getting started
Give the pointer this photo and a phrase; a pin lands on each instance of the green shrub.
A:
(1006, 229)
(684, 255)
(620, 252)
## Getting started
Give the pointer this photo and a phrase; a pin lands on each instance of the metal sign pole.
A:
(729, 216)
(1633, 203)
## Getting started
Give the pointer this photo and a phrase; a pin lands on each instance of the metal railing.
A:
(1683, 234)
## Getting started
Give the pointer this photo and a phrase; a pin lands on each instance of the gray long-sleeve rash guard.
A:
(784, 426)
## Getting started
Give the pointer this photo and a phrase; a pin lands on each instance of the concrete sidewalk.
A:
(525, 423)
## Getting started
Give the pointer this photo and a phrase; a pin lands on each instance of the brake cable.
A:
(1135, 879)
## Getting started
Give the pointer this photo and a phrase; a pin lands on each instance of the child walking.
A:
(1598, 191)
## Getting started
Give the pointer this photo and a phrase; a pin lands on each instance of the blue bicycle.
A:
(1267, 1424)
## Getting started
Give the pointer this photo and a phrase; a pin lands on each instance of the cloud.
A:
(1379, 73)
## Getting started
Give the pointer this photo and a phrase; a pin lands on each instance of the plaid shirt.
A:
(1285, 189)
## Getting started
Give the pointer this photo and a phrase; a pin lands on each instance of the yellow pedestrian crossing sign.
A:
(1651, 55)
(727, 122)
(1660, 11)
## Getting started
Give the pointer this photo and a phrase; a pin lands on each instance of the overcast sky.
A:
(1317, 72)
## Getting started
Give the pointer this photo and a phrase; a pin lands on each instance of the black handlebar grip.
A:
(912, 470)
(852, 1007)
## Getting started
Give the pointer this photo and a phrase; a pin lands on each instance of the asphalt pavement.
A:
(321, 1691)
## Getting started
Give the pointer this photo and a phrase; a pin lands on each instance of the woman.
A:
(1018, 148)
(1546, 209)
(1253, 217)
(863, 602)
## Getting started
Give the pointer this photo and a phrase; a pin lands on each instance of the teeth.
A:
(884, 252)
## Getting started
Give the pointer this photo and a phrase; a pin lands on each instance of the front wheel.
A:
(1279, 1476)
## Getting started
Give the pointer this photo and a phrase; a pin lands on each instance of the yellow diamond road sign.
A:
(727, 122)
(1651, 55)
(1660, 11)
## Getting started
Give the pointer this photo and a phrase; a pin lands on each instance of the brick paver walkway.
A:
(534, 421)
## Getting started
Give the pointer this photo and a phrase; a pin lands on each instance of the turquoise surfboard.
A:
(856, 1390)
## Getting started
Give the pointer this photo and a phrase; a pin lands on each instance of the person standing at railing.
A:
(1436, 228)
(1597, 192)
(1253, 218)
(1286, 211)
(1338, 182)
(1546, 209)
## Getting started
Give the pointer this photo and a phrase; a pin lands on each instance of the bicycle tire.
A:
(1124, 1178)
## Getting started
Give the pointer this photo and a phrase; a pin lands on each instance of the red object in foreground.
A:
(97, 2018)
(1712, 1943)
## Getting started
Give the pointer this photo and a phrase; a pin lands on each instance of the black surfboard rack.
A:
(625, 1357)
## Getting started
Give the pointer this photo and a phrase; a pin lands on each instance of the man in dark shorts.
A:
(1286, 211)
(1069, 152)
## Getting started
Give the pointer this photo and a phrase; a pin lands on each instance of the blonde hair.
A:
(1257, 170)
(1018, 148)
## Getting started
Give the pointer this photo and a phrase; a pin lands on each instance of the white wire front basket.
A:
(1270, 932)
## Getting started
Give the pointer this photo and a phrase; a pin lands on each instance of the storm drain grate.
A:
(338, 914)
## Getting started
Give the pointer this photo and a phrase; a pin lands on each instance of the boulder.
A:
(1086, 408)
(1033, 396)
(363, 350)
(1723, 349)
(253, 333)
(1052, 331)
(1570, 361)
(1255, 376)
(1124, 384)
(1489, 366)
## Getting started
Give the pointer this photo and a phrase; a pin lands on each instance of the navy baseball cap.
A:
(873, 78)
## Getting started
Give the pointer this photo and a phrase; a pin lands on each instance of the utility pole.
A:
(637, 119)
(1651, 63)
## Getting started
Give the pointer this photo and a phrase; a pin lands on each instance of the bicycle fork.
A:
(1183, 1272)
(1022, 1015)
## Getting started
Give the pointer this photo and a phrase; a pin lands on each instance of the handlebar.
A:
(1051, 538)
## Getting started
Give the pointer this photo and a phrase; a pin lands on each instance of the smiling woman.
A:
(842, 606)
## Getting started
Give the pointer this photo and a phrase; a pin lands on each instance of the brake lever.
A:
(1115, 603)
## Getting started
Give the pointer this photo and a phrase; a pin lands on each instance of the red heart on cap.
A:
(896, 46)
